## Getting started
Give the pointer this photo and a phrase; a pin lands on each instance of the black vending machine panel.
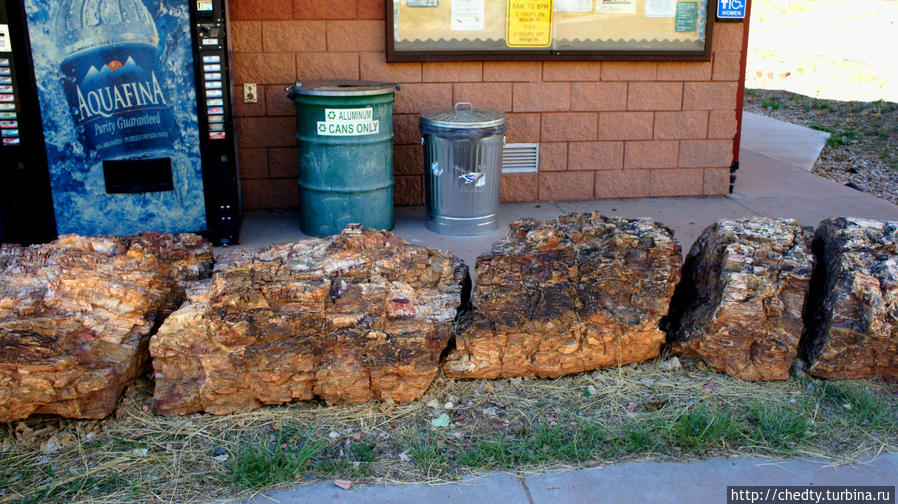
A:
(135, 130)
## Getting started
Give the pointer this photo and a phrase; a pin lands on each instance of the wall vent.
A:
(520, 158)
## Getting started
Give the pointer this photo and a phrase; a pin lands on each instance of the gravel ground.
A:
(863, 149)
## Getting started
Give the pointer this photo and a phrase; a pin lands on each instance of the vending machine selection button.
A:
(6, 89)
(212, 68)
(9, 133)
(217, 135)
(215, 110)
(212, 59)
(210, 41)
(216, 127)
(7, 98)
(216, 118)
(213, 76)
(5, 79)
(204, 5)
(4, 70)
(4, 61)
(213, 93)
(213, 84)
(9, 124)
(215, 102)
(7, 115)
(7, 106)
(11, 141)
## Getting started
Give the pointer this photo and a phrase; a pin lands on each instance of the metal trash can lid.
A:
(342, 88)
(461, 117)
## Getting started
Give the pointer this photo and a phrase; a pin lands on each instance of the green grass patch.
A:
(779, 426)
(703, 427)
(861, 405)
(264, 462)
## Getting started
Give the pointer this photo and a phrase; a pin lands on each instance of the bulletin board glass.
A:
(434, 30)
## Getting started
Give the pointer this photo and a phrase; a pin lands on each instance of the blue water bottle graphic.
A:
(112, 78)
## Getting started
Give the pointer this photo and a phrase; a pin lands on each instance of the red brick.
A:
(541, 97)
(276, 101)
(517, 187)
(655, 96)
(727, 65)
(494, 95)
(253, 163)
(417, 98)
(371, 9)
(406, 130)
(684, 71)
(717, 182)
(570, 126)
(331, 9)
(266, 132)
(242, 109)
(512, 71)
(361, 35)
(553, 156)
(678, 182)
(692, 124)
(409, 190)
(629, 71)
(282, 162)
(727, 37)
(722, 124)
(261, 9)
(709, 96)
(322, 65)
(652, 154)
(572, 70)
(264, 68)
(599, 96)
(706, 153)
(625, 125)
(566, 186)
(267, 194)
(615, 184)
(595, 155)
(522, 128)
(293, 36)
(374, 66)
(246, 36)
(453, 71)
(408, 160)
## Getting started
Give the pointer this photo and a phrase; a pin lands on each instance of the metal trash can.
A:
(462, 168)
(344, 130)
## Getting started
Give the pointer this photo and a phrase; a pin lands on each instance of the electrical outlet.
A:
(250, 93)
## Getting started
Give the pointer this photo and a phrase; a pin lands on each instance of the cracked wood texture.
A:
(356, 316)
(853, 316)
(739, 306)
(76, 316)
(567, 295)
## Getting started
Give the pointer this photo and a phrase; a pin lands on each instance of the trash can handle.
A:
(470, 107)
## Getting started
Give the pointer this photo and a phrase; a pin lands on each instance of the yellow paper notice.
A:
(529, 23)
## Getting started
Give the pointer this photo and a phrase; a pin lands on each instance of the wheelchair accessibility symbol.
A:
(731, 9)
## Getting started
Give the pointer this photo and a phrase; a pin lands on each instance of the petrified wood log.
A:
(739, 306)
(572, 294)
(76, 316)
(853, 311)
(359, 315)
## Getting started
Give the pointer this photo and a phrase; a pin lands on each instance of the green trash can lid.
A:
(342, 88)
(463, 116)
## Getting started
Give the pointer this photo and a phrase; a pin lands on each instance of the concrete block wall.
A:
(606, 129)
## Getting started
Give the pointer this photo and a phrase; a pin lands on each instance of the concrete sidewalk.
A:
(775, 181)
(704, 481)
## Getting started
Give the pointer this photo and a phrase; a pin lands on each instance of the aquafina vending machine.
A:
(135, 113)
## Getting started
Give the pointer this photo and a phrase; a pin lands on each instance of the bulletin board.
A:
(429, 30)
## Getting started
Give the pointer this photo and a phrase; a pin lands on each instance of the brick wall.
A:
(606, 129)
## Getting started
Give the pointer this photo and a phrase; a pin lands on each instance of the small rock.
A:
(592, 390)
(448, 405)
(344, 484)
(50, 446)
(140, 452)
(333, 435)
(43, 459)
(631, 407)
(648, 382)
(404, 456)
(433, 405)
(516, 380)
(357, 436)
(221, 458)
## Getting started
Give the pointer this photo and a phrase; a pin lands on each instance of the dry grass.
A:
(513, 425)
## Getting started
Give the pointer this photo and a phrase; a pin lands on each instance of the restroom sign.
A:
(349, 122)
(731, 9)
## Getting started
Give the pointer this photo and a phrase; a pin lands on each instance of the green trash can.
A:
(344, 130)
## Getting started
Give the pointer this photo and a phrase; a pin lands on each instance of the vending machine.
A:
(117, 115)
